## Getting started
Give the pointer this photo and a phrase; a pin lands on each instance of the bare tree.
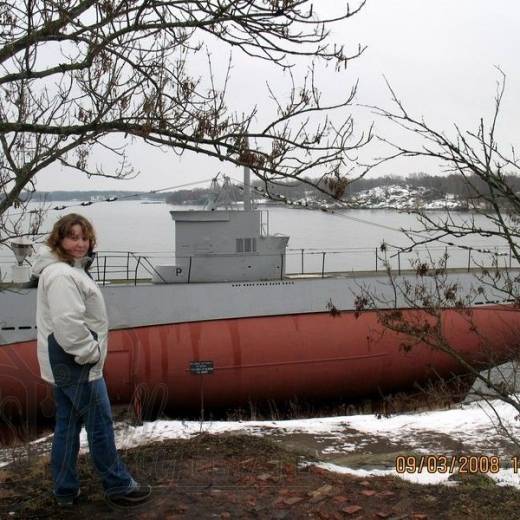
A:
(431, 292)
(80, 75)
(486, 169)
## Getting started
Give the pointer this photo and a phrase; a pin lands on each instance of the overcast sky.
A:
(439, 55)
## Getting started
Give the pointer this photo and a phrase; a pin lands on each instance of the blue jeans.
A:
(88, 404)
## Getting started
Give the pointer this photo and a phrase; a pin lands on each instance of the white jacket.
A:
(71, 319)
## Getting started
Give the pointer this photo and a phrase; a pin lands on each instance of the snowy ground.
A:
(365, 445)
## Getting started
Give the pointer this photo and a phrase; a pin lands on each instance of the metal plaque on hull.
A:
(201, 367)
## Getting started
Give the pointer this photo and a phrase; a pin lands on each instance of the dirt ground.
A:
(238, 476)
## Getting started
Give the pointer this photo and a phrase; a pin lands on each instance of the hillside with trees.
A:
(427, 191)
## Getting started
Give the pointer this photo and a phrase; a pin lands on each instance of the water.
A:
(349, 238)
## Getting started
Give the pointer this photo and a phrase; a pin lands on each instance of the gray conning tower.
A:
(224, 245)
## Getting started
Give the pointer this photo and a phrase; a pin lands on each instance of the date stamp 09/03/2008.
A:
(464, 464)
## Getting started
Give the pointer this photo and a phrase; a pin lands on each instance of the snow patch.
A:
(473, 424)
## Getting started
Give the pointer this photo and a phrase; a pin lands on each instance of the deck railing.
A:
(312, 261)
(137, 266)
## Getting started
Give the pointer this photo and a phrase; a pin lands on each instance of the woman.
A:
(72, 346)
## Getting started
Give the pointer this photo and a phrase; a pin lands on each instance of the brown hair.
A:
(63, 228)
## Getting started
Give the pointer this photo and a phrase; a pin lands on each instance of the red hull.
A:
(255, 359)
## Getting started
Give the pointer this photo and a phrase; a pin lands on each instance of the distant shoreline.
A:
(314, 207)
(393, 197)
